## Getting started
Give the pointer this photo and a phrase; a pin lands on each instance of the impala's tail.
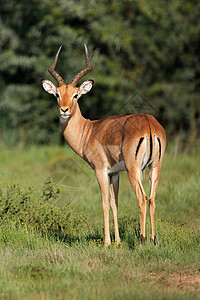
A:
(148, 149)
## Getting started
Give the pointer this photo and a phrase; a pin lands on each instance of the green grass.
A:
(51, 234)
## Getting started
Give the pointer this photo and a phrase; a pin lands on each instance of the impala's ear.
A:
(85, 87)
(49, 87)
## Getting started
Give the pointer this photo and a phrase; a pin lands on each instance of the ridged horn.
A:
(52, 71)
(84, 71)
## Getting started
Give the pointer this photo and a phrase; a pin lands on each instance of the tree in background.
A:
(145, 57)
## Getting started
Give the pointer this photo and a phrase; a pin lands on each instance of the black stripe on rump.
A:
(138, 146)
(159, 147)
(151, 148)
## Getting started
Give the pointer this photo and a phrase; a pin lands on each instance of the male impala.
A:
(111, 145)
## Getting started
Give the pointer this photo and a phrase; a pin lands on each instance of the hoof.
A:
(118, 243)
(154, 240)
(142, 239)
(107, 243)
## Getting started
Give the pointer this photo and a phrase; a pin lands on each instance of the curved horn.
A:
(52, 71)
(83, 72)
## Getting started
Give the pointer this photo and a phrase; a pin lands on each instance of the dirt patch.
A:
(187, 282)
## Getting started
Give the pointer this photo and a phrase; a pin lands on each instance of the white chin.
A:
(64, 118)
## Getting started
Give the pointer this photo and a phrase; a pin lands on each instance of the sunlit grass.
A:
(39, 263)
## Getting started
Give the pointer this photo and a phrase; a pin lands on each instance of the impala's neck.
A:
(74, 131)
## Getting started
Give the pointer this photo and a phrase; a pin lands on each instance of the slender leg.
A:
(102, 178)
(114, 188)
(134, 176)
(153, 178)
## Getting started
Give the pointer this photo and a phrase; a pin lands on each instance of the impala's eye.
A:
(57, 95)
(76, 96)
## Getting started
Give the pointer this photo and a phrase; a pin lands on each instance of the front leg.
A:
(102, 178)
(114, 189)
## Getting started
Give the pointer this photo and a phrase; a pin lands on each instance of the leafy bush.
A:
(28, 208)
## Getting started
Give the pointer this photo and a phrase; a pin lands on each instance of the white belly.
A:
(117, 168)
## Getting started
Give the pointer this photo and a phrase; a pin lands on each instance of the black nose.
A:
(64, 110)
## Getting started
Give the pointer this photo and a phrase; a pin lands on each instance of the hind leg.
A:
(154, 179)
(135, 180)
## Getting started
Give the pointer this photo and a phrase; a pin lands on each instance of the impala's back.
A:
(120, 141)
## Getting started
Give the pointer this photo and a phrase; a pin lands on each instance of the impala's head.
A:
(67, 95)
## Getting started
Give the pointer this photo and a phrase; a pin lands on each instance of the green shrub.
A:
(28, 208)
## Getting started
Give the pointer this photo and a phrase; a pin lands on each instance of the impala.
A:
(114, 144)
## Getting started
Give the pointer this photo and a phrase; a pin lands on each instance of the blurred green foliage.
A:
(145, 57)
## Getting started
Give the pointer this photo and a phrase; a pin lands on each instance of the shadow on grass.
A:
(129, 229)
